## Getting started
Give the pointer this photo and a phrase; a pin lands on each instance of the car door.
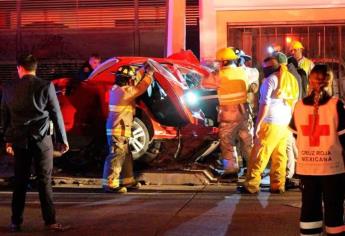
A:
(164, 98)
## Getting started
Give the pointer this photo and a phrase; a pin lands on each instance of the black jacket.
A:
(293, 70)
(85, 71)
(27, 106)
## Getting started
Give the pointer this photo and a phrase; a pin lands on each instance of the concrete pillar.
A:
(176, 26)
(208, 30)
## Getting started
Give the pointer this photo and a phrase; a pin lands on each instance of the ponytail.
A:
(317, 96)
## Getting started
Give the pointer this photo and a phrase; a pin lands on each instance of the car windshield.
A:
(103, 67)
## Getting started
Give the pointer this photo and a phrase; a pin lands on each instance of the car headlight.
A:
(191, 98)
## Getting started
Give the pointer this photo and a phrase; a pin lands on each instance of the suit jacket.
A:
(27, 107)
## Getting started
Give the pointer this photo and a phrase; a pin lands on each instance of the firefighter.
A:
(319, 122)
(296, 51)
(231, 84)
(278, 92)
(118, 166)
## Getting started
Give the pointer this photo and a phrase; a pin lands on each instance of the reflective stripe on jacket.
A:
(233, 86)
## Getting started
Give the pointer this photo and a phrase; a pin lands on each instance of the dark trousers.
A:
(41, 152)
(329, 190)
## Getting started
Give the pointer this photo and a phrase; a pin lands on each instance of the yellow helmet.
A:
(296, 45)
(226, 54)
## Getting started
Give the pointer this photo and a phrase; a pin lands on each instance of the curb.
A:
(182, 177)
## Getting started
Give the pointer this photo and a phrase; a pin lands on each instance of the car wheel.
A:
(143, 149)
(140, 139)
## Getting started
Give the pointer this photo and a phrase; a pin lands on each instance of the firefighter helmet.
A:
(124, 74)
(226, 54)
(296, 45)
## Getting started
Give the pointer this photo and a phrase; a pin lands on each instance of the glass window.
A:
(320, 41)
(191, 77)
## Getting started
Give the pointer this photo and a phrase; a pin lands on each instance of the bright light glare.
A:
(288, 39)
(270, 50)
(191, 98)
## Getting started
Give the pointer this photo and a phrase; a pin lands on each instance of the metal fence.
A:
(66, 32)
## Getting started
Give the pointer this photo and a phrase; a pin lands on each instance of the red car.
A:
(169, 109)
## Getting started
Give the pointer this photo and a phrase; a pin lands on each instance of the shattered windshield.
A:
(166, 73)
(103, 67)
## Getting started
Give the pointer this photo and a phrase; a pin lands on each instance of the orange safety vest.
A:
(233, 86)
(319, 149)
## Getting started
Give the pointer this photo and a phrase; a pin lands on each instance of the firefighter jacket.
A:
(306, 64)
(122, 107)
(319, 146)
(232, 85)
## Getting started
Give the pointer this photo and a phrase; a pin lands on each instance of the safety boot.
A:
(120, 189)
(133, 186)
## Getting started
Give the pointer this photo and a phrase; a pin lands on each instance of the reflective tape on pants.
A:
(335, 229)
(311, 225)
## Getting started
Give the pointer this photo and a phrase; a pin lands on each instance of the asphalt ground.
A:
(208, 210)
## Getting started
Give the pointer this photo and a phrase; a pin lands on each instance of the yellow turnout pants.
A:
(271, 142)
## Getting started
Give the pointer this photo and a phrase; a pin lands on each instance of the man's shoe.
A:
(229, 177)
(115, 190)
(14, 228)
(244, 190)
(57, 227)
(290, 184)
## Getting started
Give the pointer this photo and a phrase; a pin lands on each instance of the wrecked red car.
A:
(170, 109)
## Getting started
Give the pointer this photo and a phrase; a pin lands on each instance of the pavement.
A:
(213, 209)
(203, 207)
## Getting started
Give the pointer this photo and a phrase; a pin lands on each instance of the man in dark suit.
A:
(28, 106)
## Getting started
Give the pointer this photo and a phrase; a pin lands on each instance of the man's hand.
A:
(256, 132)
(9, 149)
(148, 69)
(62, 147)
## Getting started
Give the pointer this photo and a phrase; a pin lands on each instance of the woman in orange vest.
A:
(319, 122)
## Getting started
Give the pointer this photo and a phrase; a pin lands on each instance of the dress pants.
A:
(41, 153)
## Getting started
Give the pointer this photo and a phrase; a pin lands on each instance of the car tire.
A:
(143, 149)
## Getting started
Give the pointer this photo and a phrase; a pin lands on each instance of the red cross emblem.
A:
(320, 130)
